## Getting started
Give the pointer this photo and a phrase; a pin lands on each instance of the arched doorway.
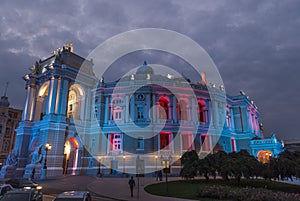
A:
(264, 156)
(70, 161)
(42, 101)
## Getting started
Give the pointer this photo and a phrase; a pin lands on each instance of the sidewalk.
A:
(118, 189)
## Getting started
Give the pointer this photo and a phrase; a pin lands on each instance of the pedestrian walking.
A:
(131, 185)
(32, 173)
(160, 175)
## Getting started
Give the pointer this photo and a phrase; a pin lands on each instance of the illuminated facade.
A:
(64, 100)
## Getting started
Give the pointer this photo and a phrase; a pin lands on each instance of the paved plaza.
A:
(103, 189)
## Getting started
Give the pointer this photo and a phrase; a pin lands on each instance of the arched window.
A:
(164, 108)
(165, 139)
(42, 101)
(182, 109)
(205, 142)
(75, 102)
(202, 111)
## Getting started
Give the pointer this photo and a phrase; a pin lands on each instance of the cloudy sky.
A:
(255, 44)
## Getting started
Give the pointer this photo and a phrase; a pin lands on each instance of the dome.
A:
(4, 102)
(144, 69)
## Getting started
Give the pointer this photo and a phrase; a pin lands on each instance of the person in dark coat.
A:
(160, 175)
(131, 185)
(33, 173)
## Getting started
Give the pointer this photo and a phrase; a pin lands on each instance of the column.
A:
(58, 96)
(28, 88)
(110, 117)
(194, 111)
(174, 109)
(147, 106)
(85, 105)
(215, 113)
(64, 96)
(52, 95)
(154, 113)
(32, 103)
(106, 107)
(132, 106)
(108, 143)
(207, 112)
(126, 108)
(169, 108)
(232, 118)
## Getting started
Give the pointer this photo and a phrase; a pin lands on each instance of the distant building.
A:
(292, 145)
(9, 121)
(66, 104)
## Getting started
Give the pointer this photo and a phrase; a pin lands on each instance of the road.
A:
(52, 187)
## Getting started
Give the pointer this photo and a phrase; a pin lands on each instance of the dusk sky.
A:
(255, 44)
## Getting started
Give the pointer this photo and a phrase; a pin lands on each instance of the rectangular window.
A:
(117, 115)
(0, 128)
(140, 143)
(7, 132)
(140, 112)
(233, 147)
(164, 140)
(186, 141)
(116, 142)
(205, 141)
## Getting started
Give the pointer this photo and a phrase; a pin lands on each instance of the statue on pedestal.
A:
(33, 170)
(8, 170)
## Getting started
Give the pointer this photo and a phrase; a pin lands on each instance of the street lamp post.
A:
(156, 172)
(99, 166)
(156, 163)
(166, 169)
(124, 157)
(44, 171)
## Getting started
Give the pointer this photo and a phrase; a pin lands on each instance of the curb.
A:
(104, 196)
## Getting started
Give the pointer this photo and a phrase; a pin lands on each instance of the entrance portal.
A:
(264, 156)
(70, 156)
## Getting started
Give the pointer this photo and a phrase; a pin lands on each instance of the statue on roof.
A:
(36, 68)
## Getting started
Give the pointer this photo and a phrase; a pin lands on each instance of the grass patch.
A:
(178, 189)
(190, 189)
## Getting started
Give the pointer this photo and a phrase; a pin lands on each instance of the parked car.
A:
(74, 196)
(22, 195)
(4, 188)
(23, 183)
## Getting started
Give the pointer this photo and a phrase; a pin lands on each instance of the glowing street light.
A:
(124, 157)
(44, 171)
(99, 165)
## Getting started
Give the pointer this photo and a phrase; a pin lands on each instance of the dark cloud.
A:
(255, 44)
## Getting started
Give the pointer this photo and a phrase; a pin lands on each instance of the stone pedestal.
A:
(33, 168)
(8, 171)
